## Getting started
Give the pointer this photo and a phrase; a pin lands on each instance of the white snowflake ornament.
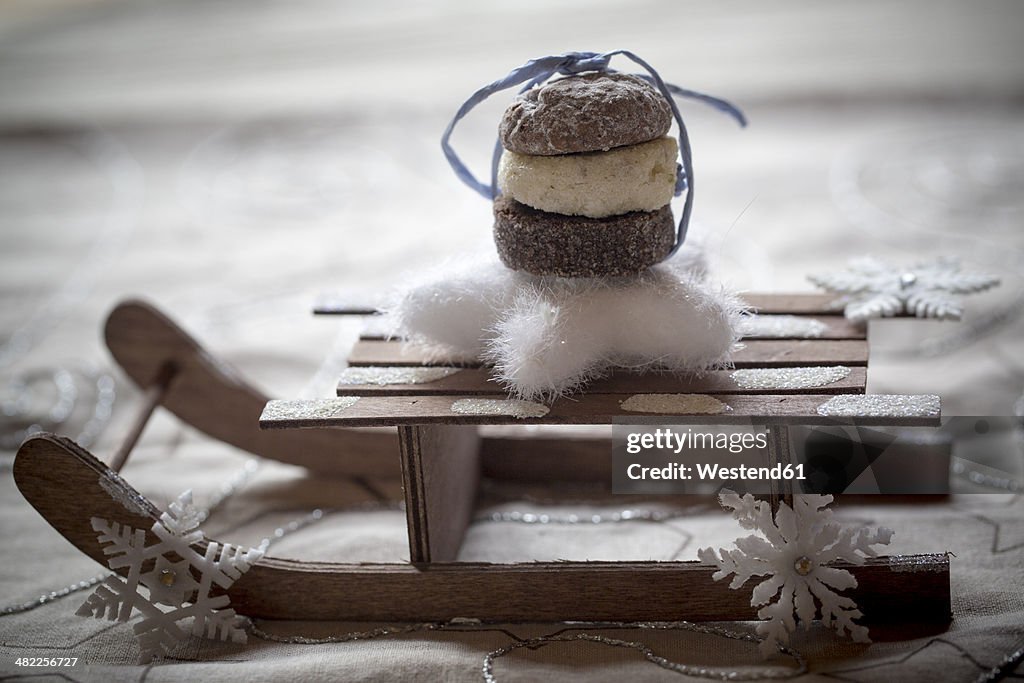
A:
(870, 288)
(175, 575)
(794, 550)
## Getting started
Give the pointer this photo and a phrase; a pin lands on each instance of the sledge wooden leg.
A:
(154, 396)
(68, 486)
(210, 396)
(780, 452)
(440, 476)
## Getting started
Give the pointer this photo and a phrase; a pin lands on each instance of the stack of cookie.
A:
(586, 178)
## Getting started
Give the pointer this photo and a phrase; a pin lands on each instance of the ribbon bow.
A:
(537, 71)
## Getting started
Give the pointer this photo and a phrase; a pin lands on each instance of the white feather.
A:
(549, 336)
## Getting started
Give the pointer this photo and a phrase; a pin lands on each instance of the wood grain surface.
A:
(480, 381)
(440, 473)
(835, 327)
(211, 396)
(586, 409)
(63, 483)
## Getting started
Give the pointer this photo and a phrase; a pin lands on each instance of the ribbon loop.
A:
(580, 62)
(537, 71)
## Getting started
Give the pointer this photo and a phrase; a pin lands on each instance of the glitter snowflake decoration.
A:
(794, 550)
(929, 289)
(175, 574)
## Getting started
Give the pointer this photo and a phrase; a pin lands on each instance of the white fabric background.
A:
(229, 160)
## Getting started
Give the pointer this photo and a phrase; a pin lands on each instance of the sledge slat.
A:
(478, 382)
(790, 304)
(590, 408)
(836, 327)
(773, 353)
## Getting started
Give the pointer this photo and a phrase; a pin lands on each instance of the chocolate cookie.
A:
(545, 243)
(585, 113)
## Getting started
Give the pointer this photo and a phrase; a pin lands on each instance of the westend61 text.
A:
(715, 472)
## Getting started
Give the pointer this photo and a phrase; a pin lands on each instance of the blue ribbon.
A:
(537, 71)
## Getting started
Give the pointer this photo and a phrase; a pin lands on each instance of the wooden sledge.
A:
(440, 457)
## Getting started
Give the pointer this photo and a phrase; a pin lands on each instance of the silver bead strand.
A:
(52, 595)
(487, 669)
(627, 515)
(712, 673)
(381, 632)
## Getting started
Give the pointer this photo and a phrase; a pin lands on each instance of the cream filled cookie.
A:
(597, 184)
(543, 243)
(585, 113)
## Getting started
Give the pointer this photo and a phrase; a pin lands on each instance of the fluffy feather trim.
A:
(548, 336)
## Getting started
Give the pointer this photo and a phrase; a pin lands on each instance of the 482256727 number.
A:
(46, 661)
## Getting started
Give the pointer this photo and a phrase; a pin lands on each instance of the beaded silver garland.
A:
(969, 471)
(111, 159)
(53, 595)
(628, 515)
(712, 673)
(381, 632)
(1005, 667)
(487, 669)
(15, 406)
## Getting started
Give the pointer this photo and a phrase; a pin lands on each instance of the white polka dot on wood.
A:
(497, 406)
(790, 378)
(312, 409)
(782, 327)
(385, 375)
(675, 404)
(882, 405)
